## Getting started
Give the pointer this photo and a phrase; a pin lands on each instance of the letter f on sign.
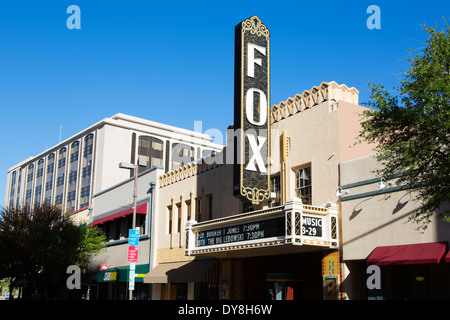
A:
(251, 58)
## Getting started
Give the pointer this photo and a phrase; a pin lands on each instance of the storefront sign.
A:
(110, 276)
(251, 111)
(243, 232)
(312, 226)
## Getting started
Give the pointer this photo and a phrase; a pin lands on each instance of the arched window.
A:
(182, 154)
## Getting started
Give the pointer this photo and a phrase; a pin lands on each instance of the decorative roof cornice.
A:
(188, 170)
(327, 91)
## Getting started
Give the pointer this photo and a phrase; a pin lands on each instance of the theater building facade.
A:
(212, 244)
(289, 209)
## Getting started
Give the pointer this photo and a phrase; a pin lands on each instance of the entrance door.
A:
(283, 286)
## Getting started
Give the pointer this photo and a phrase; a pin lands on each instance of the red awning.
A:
(447, 257)
(140, 209)
(408, 254)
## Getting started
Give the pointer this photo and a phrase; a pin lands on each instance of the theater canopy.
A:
(408, 254)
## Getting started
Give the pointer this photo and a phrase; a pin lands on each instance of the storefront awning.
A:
(140, 209)
(408, 254)
(200, 271)
(122, 274)
(447, 257)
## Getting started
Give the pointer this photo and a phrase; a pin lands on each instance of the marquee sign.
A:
(292, 224)
(251, 111)
(255, 230)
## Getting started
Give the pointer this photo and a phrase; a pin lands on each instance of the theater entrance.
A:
(275, 277)
(284, 286)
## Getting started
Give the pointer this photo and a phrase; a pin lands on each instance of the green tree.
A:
(412, 130)
(37, 245)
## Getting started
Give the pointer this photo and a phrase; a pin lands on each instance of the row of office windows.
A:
(64, 178)
(39, 186)
(151, 152)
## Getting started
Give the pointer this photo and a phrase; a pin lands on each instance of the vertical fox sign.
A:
(251, 111)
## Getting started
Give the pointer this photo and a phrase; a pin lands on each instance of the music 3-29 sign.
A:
(251, 110)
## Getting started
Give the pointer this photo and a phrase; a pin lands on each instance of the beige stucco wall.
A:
(374, 221)
(217, 181)
(322, 136)
(349, 126)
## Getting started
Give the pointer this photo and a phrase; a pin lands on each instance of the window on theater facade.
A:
(170, 211)
(49, 178)
(181, 154)
(275, 197)
(179, 213)
(303, 185)
(150, 152)
(198, 209)
(209, 201)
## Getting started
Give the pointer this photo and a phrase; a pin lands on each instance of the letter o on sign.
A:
(262, 105)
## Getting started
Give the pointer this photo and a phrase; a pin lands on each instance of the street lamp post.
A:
(125, 165)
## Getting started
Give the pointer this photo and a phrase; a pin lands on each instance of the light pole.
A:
(125, 165)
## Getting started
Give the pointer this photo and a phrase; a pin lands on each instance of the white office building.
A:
(69, 173)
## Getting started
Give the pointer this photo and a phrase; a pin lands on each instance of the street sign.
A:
(131, 276)
(133, 237)
(133, 252)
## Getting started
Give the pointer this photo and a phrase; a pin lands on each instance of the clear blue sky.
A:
(172, 61)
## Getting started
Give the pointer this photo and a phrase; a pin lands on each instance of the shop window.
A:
(303, 185)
